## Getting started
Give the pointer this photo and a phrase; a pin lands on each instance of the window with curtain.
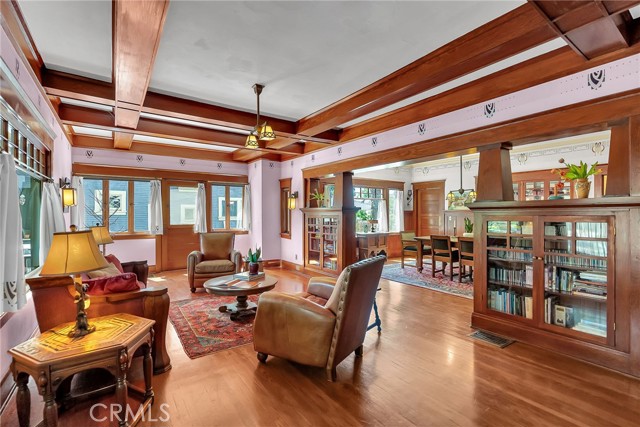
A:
(285, 213)
(123, 203)
(30, 196)
(226, 206)
(394, 221)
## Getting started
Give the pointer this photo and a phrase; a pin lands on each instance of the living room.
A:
(305, 151)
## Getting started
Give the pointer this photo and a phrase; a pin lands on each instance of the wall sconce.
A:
(291, 201)
(409, 196)
(69, 194)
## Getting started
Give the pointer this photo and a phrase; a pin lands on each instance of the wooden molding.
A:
(623, 178)
(127, 172)
(587, 115)
(541, 69)
(511, 33)
(495, 165)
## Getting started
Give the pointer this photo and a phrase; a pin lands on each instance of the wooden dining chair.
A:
(409, 245)
(441, 251)
(465, 248)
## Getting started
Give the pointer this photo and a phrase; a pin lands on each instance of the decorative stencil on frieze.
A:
(339, 151)
(489, 109)
(139, 158)
(183, 162)
(422, 128)
(219, 165)
(374, 141)
(596, 79)
(89, 154)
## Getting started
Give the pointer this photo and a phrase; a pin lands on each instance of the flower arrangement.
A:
(581, 171)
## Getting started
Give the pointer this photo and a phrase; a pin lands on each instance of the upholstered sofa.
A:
(53, 298)
(215, 258)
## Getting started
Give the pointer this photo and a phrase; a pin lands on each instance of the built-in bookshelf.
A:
(322, 241)
(560, 274)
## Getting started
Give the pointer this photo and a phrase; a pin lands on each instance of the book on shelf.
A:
(563, 316)
(248, 277)
(528, 307)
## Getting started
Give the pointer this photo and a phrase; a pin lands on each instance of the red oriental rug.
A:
(203, 330)
(441, 283)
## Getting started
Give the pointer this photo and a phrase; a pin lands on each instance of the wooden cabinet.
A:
(539, 185)
(372, 244)
(454, 221)
(558, 274)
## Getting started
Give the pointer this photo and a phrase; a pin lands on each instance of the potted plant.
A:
(254, 258)
(363, 216)
(580, 174)
(468, 228)
(318, 197)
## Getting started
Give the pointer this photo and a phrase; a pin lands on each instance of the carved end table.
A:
(53, 356)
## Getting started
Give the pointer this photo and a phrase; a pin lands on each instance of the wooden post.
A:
(494, 174)
(623, 177)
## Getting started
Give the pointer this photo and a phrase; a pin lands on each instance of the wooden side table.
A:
(53, 356)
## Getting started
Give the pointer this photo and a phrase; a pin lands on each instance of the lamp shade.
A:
(69, 197)
(101, 234)
(266, 133)
(291, 202)
(73, 253)
(252, 141)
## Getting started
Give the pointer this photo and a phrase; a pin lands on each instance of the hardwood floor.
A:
(422, 370)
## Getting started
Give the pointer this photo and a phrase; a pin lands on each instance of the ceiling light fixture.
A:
(471, 196)
(261, 132)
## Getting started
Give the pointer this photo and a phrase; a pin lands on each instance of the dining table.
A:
(426, 241)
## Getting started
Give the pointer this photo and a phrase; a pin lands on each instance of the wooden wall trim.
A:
(578, 118)
(126, 172)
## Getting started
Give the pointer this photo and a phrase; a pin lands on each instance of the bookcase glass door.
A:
(330, 242)
(314, 241)
(576, 274)
(510, 266)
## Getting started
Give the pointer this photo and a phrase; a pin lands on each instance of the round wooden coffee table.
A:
(241, 289)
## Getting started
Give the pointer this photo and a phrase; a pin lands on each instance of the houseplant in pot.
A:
(580, 174)
(253, 258)
(468, 228)
(319, 198)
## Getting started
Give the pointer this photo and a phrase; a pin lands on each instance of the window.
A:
(368, 200)
(182, 205)
(226, 206)
(395, 209)
(30, 197)
(124, 203)
(285, 213)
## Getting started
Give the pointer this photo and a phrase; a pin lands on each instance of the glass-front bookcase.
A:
(322, 241)
(551, 272)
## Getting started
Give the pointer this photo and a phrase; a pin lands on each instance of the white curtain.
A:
(399, 212)
(200, 225)
(155, 208)
(383, 217)
(79, 210)
(246, 208)
(11, 250)
(51, 217)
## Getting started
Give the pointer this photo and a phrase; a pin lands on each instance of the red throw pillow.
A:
(112, 259)
(126, 282)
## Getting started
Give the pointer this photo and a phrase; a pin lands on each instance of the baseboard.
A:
(287, 265)
(271, 262)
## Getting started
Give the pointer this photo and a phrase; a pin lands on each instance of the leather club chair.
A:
(295, 328)
(215, 258)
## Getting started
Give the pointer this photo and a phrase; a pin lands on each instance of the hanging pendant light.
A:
(451, 197)
(260, 132)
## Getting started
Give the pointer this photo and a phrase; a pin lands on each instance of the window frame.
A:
(130, 204)
(285, 213)
(227, 203)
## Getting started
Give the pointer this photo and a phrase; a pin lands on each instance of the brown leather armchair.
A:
(215, 258)
(53, 298)
(295, 328)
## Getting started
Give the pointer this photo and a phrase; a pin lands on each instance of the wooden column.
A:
(494, 174)
(623, 178)
(343, 199)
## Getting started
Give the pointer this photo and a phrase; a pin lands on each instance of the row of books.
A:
(560, 260)
(508, 301)
(510, 255)
(586, 321)
(558, 279)
(557, 314)
(515, 277)
(521, 243)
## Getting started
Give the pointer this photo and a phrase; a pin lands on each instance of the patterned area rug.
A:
(203, 330)
(410, 276)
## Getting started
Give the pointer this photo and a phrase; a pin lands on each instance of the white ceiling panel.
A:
(72, 36)
(180, 143)
(309, 54)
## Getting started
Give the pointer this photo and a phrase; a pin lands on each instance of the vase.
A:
(253, 268)
(467, 234)
(582, 187)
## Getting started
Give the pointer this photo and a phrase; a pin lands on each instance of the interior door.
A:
(178, 216)
(428, 205)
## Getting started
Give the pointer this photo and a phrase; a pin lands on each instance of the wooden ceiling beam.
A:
(512, 33)
(86, 141)
(544, 68)
(245, 155)
(65, 85)
(137, 28)
(591, 28)
(82, 116)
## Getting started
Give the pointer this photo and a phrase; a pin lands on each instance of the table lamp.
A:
(101, 236)
(75, 253)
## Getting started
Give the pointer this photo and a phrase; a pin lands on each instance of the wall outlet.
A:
(296, 257)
